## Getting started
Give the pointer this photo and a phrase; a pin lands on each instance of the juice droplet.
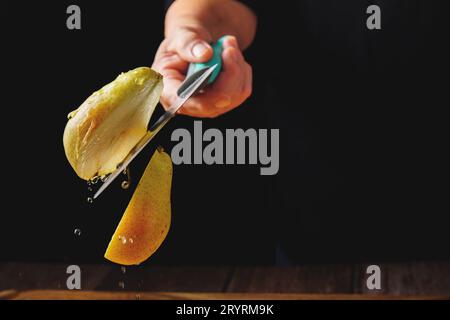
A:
(123, 269)
(77, 232)
(130, 240)
(89, 189)
(121, 285)
(71, 114)
(89, 183)
(103, 178)
(125, 185)
(95, 179)
(90, 200)
(125, 171)
(123, 239)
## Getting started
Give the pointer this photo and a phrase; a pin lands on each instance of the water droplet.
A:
(71, 114)
(121, 285)
(89, 183)
(77, 232)
(125, 184)
(123, 239)
(89, 189)
(90, 200)
(138, 297)
(130, 240)
(123, 269)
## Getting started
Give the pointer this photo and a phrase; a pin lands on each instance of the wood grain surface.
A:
(415, 280)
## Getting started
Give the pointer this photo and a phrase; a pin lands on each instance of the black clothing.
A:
(363, 126)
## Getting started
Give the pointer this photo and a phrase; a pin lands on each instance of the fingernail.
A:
(233, 41)
(223, 102)
(199, 49)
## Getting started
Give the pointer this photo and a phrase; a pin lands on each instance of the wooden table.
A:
(415, 280)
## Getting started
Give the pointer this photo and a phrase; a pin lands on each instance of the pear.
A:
(104, 129)
(146, 220)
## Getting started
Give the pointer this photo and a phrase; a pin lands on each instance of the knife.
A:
(198, 76)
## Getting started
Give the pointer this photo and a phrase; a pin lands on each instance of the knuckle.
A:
(247, 92)
(249, 67)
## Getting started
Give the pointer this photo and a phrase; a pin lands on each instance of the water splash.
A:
(95, 179)
(126, 183)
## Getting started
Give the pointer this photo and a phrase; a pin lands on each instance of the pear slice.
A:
(146, 220)
(104, 129)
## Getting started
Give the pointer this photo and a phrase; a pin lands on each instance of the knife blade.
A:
(192, 84)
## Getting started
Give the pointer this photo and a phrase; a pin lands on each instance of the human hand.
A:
(231, 88)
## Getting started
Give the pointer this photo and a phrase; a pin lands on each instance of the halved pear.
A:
(146, 221)
(104, 129)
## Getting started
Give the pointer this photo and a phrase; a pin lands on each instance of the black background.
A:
(363, 164)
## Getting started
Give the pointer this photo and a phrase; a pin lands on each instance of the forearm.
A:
(218, 17)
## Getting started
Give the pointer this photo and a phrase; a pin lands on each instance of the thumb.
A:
(190, 46)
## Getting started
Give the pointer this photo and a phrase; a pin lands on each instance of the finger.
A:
(228, 86)
(248, 83)
(172, 68)
(172, 79)
(162, 50)
(200, 110)
(191, 46)
(169, 94)
(169, 61)
(230, 42)
(231, 78)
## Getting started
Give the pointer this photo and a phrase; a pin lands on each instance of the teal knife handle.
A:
(216, 59)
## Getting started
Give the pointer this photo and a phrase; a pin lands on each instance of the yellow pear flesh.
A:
(146, 220)
(104, 129)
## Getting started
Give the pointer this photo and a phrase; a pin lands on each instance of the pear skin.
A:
(146, 220)
(105, 128)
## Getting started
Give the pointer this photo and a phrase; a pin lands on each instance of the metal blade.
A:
(157, 126)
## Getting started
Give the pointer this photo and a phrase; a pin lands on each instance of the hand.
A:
(231, 88)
